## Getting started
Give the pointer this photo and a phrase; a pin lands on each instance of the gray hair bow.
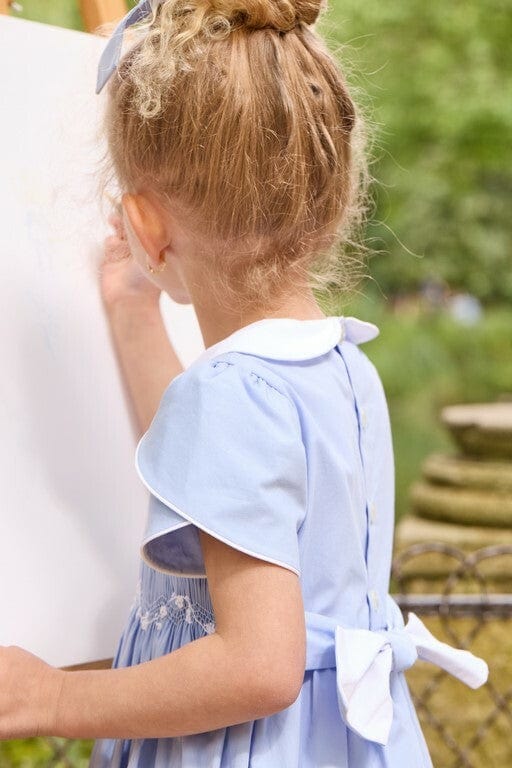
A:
(112, 53)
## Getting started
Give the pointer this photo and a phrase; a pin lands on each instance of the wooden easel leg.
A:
(96, 12)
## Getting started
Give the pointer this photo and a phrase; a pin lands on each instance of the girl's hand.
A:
(121, 277)
(29, 692)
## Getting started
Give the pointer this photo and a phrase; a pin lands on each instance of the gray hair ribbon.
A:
(110, 57)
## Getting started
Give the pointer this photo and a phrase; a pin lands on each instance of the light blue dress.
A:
(277, 440)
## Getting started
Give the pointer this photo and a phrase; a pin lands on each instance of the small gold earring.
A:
(162, 267)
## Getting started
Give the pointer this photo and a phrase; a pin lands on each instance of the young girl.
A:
(262, 633)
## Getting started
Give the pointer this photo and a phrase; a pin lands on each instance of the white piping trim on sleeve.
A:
(191, 521)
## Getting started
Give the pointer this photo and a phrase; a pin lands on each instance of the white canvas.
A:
(72, 509)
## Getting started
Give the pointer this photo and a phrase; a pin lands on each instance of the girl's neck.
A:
(217, 322)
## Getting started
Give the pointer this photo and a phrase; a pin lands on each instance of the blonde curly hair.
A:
(236, 114)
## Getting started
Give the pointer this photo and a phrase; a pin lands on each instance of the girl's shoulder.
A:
(268, 361)
(224, 451)
(233, 376)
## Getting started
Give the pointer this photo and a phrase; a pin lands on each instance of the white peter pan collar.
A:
(285, 338)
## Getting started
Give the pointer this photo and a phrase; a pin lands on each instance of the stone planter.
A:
(464, 499)
(481, 429)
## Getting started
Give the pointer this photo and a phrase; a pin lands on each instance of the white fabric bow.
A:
(365, 658)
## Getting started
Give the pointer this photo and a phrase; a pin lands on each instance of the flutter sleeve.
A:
(224, 454)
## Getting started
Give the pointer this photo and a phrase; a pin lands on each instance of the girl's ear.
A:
(147, 223)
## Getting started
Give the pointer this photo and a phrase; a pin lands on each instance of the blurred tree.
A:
(436, 79)
(61, 13)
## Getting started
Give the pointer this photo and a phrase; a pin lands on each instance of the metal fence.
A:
(473, 610)
(470, 606)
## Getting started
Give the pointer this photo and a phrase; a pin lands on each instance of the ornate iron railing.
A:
(474, 612)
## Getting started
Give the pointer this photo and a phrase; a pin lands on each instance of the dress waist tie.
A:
(364, 658)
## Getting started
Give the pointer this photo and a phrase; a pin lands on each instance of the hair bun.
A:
(282, 15)
(308, 10)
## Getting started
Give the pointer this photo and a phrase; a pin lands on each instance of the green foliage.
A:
(61, 13)
(435, 80)
(39, 753)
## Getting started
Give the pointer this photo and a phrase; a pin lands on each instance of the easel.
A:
(94, 12)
